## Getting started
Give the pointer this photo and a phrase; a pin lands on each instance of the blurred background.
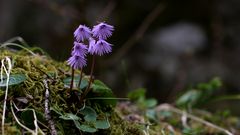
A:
(163, 46)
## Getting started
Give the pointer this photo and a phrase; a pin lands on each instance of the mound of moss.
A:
(69, 115)
(34, 73)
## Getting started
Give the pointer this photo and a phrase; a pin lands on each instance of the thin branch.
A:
(7, 71)
(59, 9)
(138, 34)
(43, 124)
(53, 130)
(17, 45)
(107, 11)
(19, 123)
(20, 39)
(168, 107)
(34, 116)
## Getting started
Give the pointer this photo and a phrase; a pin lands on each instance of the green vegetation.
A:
(34, 73)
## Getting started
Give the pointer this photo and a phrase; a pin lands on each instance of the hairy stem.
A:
(90, 80)
(71, 85)
(80, 79)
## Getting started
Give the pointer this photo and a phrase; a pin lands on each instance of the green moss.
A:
(36, 68)
(11, 130)
(123, 127)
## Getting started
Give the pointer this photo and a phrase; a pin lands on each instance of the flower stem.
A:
(90, 80)
(71, 85)
(80, 79)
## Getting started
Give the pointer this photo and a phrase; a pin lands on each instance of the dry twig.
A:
(53, 130)
(138, 34)
(7, 72)
(167, 107)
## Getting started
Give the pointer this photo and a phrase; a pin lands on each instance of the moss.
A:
(12, 130)
(36, 68)
(123, 127)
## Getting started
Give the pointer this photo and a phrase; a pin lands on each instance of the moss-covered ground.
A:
(126, 118)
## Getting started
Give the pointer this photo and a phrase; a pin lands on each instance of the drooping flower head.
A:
(79, 49)
(102, 47)
(91, 46)
(82, 32)
(102, 30)
(77, 62)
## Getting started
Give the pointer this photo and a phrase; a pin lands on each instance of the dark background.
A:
(163, 46)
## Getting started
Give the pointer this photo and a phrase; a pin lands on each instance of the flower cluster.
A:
(90, 41)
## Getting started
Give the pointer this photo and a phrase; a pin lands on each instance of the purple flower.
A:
(79, 49)
(92, 44)
(102, 30)
(82, 32)
(102, 47)
(77, 62)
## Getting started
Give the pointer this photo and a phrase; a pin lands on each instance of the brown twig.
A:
(107, 10)
(51, 124)
(62, 10)
(137, 35)
(167, 107)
